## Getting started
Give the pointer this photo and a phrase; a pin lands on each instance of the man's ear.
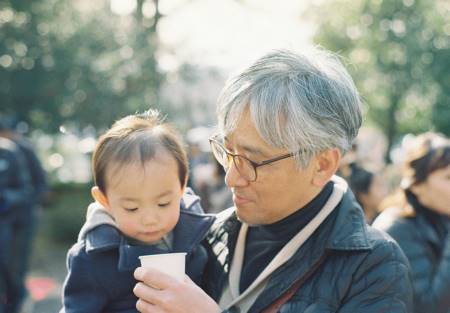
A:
(327, 163)
(100, 197)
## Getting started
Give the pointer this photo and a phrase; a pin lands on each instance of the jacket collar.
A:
(189, 231)
(97, 215)
(350, 229)
(284, 255)
(343, 230)
(348, 232)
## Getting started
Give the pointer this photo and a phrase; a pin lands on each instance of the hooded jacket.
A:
(101, 263)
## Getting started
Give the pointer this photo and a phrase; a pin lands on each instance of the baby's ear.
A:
(100, 197)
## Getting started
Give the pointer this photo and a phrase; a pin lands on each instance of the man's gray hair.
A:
(305, 103)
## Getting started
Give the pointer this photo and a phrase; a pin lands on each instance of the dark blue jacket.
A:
(15, 192)
(15, 184)
(428, 254)
(37, 173)
(364, 270)
(100, 266)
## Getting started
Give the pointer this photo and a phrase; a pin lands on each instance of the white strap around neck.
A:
(284, 254)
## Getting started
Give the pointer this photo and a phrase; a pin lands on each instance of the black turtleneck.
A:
(263, 242)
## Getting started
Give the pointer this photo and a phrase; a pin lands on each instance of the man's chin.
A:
(248, 217)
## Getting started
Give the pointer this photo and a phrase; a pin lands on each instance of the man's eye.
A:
(130, 209)
(162, 205)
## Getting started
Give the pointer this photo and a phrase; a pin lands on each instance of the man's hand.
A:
(160, 293)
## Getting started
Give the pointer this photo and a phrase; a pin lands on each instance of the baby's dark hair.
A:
(137, 138)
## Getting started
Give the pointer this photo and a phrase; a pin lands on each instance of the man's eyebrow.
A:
(254, 151)
(250, 149)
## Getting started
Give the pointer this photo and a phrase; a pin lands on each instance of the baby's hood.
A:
(96, 215)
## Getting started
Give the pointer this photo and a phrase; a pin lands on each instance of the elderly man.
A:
(296, 240)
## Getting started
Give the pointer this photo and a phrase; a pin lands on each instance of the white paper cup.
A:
(172, 264)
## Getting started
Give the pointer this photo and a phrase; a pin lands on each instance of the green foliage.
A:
(75, 62)
(400, 58)
(65, 212)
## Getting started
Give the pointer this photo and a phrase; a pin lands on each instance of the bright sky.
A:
(226, 33)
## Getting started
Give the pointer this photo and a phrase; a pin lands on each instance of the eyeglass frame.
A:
(255, 165)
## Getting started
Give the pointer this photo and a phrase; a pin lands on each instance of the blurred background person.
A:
(207, 177)
(198, 153)
(33, 164)
(210, 186)
(15, 191)
(27, 176)
(418, 218)
(368, 187)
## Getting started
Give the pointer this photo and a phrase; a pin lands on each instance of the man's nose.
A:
(233, 178)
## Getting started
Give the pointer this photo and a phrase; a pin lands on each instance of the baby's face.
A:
(145, 200)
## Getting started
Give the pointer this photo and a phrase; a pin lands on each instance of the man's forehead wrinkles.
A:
(247, 147)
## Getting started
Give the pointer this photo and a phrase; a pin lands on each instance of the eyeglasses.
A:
(245, 167)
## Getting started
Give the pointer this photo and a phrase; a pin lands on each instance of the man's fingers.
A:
(145, 307)
(154, 278)
(149, 294)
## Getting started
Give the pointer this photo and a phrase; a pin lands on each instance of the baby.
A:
(140, 174)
